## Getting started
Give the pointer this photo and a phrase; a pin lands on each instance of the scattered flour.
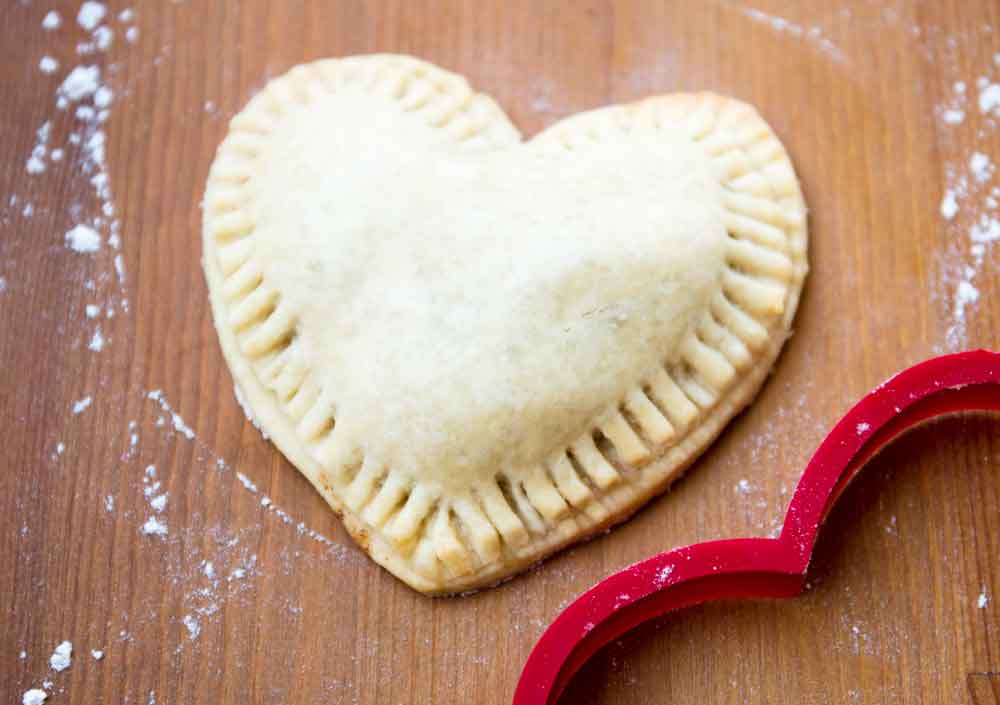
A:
(91, 14)
(83, 239)
(154, 527)
(953, 116)
(813, 34)
(35, 696)
(80, 406)
(949, 206)
(52, 20)
(982, 167)
(97, 341)
(103, 36)
(131, 35)
(109, 504)
(97, 654)
(862, 428)
(102, 98)
(969, 206)
(92, 310)
(159, 503)
(989, 99)
(246, 482)
(62, 657)
(663, 575)
(36, 160)
(81, 82)
(192, 625)
(985, 229)
(953, 113)
(178, 423)
(48, 65)
(983, 600)
(743, 486)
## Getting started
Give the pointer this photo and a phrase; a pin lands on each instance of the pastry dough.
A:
(480, 349)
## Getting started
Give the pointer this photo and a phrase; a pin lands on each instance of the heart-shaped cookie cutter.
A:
(758, 567)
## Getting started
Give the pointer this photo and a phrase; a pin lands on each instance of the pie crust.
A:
(480, 349)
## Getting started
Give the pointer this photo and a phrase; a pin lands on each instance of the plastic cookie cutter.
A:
(758, 567)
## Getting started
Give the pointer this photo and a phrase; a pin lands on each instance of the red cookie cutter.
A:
(758, 567)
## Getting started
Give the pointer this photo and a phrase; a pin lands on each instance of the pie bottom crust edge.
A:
(754, 165)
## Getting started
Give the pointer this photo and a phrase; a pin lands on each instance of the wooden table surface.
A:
(255, 594)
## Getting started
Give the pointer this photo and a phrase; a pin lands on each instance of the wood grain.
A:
(893, 612)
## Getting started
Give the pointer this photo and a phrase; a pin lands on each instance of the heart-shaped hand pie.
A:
(480, 349)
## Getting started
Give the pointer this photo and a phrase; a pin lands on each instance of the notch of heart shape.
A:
(758, 567)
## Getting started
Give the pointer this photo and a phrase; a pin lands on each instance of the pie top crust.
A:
(480, 349)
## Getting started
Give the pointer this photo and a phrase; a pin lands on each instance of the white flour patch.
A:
(82, 81)
(663, 575)
(48, 65)
(109, 504)
(83, 239)
(154, 527)
(953, 111)
(985, 230)
(862, 428)
(35, 163)
(814, 35)
(96, 654)
(80, 406)
(103, 36)
(949, 205)
(989, 99)
(91, 14)
(103, 97)
(192, 625)
(52, 20)
(159, 502)
(246, 482)
(35, 696)
(62, 657)
(97, 341)
(981, 166)
(953, 116)
(982, 600)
